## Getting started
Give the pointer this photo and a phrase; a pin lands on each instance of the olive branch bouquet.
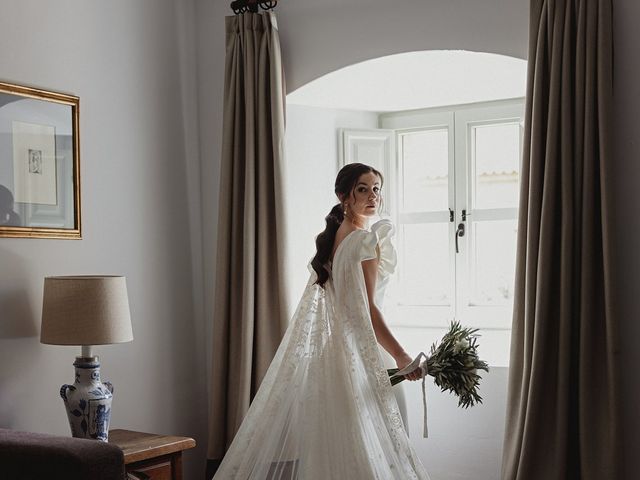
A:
(454, 364)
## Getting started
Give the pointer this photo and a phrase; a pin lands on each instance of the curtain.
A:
(250, 313)
(562, 417)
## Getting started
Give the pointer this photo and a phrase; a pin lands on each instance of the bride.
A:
(325, 409)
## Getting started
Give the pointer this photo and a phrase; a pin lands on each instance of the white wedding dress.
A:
(325, 409)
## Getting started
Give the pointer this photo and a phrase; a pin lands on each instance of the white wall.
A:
(128, 62)
(477, 431)
(311, 168)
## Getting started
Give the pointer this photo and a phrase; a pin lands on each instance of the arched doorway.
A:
(399, 94)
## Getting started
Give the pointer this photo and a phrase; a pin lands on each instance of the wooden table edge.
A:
(166, 445)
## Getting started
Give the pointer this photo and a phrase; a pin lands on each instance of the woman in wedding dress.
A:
(325, 409)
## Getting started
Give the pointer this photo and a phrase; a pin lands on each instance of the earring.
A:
(345, 208)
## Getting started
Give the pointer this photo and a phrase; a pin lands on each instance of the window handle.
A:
(459, 233)
(461, 228)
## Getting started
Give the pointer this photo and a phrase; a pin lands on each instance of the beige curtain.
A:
(250, 307)
(562, 418)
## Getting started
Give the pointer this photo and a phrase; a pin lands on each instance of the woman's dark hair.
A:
(345, 184)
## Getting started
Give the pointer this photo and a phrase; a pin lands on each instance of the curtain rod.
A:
(242, 6)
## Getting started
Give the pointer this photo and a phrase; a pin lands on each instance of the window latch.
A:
(459, 233)
(451, 216)
(461, 229)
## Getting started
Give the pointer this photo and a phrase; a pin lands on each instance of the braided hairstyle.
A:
(345, 185)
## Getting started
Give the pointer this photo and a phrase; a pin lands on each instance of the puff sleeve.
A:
(380, 236)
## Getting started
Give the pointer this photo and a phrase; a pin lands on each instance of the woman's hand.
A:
(402, 361)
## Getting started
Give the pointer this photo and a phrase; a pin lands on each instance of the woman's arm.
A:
(383, 334)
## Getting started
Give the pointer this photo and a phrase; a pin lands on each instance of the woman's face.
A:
(365, 198)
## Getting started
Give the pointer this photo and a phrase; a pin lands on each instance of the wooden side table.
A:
(150, 456)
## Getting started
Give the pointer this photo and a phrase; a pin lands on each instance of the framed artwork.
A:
(39, 163)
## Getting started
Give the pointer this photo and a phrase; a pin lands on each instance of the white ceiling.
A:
(416, 80)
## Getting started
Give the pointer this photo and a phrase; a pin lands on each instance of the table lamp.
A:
(86, 311)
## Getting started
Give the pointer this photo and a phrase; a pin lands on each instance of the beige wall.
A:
(123, 59)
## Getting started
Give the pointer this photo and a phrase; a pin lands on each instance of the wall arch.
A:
(321, 36)
(424, 79)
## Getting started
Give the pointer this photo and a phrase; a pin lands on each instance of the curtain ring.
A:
(240, 6)
(268, 5)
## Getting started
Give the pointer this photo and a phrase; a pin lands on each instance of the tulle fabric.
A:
(325, 409)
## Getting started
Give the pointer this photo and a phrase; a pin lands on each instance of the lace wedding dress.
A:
(325, 409)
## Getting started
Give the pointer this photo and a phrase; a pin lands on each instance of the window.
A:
(455, 199)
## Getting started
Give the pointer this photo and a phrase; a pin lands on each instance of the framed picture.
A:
(39, 163)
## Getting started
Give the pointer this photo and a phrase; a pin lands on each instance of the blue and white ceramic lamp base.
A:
(88, 400)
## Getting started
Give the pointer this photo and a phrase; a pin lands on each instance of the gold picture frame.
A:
(39, 163)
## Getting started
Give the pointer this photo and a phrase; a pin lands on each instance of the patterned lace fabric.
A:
(325, 409)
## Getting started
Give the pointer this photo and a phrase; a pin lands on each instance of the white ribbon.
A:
(419, 362)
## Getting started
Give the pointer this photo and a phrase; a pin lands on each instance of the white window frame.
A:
(378, 149)
(459, 120)
(481, 316)
(404, 123)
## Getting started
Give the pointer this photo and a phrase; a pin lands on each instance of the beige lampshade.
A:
(85, 310)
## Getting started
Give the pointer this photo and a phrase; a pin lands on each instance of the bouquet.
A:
(454, 364)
